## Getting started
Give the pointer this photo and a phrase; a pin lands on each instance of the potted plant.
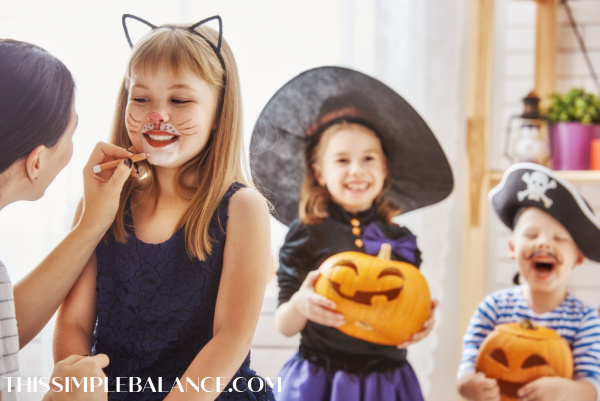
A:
(572, 117)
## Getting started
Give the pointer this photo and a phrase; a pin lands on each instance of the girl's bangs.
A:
(178, 51)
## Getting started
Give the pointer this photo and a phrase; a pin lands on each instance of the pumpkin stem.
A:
(385, 252)
(528, 324)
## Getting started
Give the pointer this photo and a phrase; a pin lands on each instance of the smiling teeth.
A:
(357, 187)
(163, 138)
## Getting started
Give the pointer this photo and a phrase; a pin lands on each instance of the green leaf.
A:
(575, 105)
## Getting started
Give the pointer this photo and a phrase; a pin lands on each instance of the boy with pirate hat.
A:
(553, 230)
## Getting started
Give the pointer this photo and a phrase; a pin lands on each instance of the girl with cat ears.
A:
(166, 295)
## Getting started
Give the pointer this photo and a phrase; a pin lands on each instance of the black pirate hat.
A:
(319, 97)
(530, 184)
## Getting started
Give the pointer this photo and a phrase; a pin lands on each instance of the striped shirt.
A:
(576, 322)
(9, 337)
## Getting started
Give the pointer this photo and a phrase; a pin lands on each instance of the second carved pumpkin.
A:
(517, 353)
(383, 301)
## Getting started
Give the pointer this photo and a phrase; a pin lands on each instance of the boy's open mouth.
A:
(543, 264)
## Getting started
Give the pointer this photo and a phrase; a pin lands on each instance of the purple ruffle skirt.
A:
(302, 380)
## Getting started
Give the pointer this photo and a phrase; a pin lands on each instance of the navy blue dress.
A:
(155, 312)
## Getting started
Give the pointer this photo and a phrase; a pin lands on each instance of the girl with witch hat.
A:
(340, 154)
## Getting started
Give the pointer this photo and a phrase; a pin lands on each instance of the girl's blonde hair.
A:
(221, 162)
(314, 198)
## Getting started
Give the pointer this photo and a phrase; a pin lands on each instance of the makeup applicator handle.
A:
(114, 163)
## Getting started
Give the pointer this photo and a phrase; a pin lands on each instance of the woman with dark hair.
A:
(37, 122)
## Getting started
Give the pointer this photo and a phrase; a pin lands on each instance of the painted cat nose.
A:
(155, 118)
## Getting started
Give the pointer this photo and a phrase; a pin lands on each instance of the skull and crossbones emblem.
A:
(537, 185)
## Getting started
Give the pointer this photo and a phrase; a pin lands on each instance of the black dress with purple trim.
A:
(331, 365)
(156, 308)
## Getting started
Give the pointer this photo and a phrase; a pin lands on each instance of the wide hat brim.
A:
(421, 173)
(530, 184)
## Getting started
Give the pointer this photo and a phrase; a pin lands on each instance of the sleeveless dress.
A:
(155, 312)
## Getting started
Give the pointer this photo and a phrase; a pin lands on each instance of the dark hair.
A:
(36, 93)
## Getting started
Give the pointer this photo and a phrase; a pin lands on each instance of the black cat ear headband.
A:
(192, 28)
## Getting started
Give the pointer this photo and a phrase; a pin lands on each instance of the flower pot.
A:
(595, 131)
(571, 146)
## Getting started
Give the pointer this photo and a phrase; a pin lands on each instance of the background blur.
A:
(418, 47)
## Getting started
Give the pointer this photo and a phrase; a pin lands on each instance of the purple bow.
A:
(405, 246)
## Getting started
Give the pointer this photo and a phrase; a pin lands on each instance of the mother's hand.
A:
(102, 191)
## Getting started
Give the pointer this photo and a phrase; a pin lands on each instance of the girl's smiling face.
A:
(544, 250)
(352, 166)
(170, 117)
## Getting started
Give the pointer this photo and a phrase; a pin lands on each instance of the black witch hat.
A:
(320, 97)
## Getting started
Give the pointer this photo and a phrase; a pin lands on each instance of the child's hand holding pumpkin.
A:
(544, 389)
(553, 388)
(315, 307)
(427, 327)
(477, 387)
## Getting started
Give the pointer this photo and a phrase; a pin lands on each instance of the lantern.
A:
(517, 353)
(383, 301)
(527, 134)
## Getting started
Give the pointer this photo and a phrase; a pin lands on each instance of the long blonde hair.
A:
(314, 198)
(221, 162)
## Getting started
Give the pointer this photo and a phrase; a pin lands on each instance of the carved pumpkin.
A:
(517, 353)
(383, 301)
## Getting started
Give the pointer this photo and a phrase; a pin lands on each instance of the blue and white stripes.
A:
(578, 323)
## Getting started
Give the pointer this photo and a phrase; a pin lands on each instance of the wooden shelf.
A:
(479, 177)
(573, 176)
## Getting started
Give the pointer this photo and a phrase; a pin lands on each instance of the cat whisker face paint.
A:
(161, 141)
(170, 117)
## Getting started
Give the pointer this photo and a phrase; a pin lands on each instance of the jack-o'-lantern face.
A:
(517, 353)
(383, 301)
